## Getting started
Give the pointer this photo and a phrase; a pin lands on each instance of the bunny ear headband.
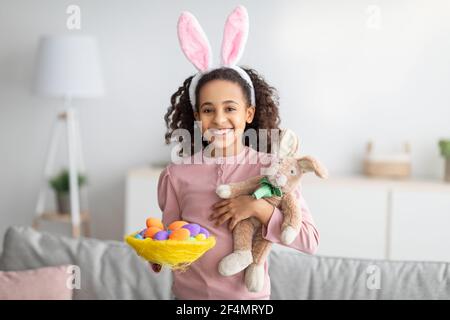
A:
(196, 47)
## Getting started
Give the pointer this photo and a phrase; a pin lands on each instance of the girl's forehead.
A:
(220, 91)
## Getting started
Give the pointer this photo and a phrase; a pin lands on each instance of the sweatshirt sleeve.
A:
(167, 198)
(307, 240)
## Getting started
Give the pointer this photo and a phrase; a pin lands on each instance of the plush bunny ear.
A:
(308, 164)
(289, 144)
(234, 36)
(194, 42)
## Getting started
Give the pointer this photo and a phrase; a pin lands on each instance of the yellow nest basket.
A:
(176, 254)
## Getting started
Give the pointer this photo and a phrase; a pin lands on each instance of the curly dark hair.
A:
(181, 116)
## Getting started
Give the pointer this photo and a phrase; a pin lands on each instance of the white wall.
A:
(341, 83)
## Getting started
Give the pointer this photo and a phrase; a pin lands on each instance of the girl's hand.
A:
(241, 208)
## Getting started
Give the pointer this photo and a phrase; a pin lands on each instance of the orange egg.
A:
(150, 232)
(176, 225)
(180, 234)
(154, 222)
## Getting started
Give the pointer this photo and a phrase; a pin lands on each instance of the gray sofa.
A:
(112, 270)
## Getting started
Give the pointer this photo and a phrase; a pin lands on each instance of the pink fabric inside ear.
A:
(193, 41)
(235, 36)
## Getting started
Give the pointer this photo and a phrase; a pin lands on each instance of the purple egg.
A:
(161, 235)
(193, 228)
(204, 231)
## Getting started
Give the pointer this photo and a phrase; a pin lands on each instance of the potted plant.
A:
(445, 152)
(61, 185)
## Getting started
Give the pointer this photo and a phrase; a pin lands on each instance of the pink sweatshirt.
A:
(187, 192)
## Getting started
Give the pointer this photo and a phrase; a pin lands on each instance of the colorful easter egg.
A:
(177, 225)
(151, 231)
(193, 228)
(180, 234)
(204, 231)
(161, 235)
(138, 236)
(192, 238)
(154, 222)
(200, 236)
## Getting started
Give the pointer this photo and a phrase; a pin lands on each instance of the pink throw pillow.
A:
(48, 283)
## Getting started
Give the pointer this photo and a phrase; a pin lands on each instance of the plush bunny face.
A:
(287, 172)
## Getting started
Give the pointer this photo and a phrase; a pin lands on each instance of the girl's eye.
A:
(207, 110)
(231, 109)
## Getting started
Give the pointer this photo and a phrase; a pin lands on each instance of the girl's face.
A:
(223, 112)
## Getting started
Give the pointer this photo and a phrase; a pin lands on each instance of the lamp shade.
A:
(68, 66)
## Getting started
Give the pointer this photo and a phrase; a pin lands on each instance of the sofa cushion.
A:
(107, 269)
(48, 283)
(298, 276)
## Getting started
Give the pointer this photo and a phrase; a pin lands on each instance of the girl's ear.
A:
(193, 42)
(250, 111)
(234, 36)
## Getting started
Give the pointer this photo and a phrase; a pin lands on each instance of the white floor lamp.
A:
(67, 67)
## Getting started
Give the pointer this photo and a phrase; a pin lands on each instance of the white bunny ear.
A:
(194, 42)
(234, 36)
(289, 144)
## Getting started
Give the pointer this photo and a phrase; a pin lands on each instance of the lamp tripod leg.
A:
(73, 173)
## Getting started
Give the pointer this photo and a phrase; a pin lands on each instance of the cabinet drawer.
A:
(420, 225)
(351, 220)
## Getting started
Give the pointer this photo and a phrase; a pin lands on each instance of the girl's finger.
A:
(221, 203)
(218, 212)
(232, 224)
(223, 218)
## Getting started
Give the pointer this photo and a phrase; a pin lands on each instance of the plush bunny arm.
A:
(232, 190)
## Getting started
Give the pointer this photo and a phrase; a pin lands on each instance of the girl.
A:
(227, 101)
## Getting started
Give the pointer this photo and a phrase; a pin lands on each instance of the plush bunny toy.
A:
(277, 186)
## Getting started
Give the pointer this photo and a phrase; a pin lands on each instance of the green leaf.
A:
(61, 182)
(445, 148)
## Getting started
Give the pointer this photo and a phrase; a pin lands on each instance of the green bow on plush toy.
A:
(267, 190)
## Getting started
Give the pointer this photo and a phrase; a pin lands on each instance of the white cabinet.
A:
(380, 219)
(356, 216)
(141, 197)
(351, 221)
(420, 225)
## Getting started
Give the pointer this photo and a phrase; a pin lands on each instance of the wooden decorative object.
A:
(85, 221)
(397, 166)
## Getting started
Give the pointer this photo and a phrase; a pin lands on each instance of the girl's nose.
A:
(219, 117)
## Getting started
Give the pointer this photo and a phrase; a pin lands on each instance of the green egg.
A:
(191, 238)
